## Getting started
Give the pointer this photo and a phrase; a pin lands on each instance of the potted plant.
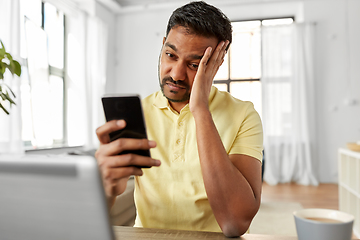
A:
(7, 62)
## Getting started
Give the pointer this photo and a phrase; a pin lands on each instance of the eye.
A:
(170, 55)
(193, 66)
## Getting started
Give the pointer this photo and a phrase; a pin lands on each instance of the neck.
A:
(177, 106)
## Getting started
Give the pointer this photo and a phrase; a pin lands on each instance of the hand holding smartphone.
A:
(129, 109)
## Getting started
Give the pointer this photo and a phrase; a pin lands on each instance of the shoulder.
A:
(225, 102)
(150, 100)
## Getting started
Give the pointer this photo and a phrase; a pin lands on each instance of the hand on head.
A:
(208, 67)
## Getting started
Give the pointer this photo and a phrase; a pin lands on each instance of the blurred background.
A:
(297, 61)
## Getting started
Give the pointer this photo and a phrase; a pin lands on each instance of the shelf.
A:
(349, 185)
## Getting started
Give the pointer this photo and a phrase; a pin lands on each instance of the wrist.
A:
(111, 202)
(201, 113)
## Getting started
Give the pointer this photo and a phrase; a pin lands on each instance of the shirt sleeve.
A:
(249, 139)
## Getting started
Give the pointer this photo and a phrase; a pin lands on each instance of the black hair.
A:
(202, 19)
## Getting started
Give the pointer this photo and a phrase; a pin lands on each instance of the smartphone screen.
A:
(127, 108)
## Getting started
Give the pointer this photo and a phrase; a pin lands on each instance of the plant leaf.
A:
(9, 98)
(6, 97)
(8, 56)
(2, 50)
(17, 69)
(12, 93)
(9, 89)
(2, 67)
(2, 45)
(3, 108)
(11, 67)
(3, 96)
(7, 62)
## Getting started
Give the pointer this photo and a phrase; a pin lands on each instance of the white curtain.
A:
(288, 104)
(96, 71)
(87, 51)
(10, 125)
(86, 77)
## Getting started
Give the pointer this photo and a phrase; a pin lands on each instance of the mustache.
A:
(177, 83)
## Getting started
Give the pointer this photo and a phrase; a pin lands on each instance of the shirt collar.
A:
(161, 101)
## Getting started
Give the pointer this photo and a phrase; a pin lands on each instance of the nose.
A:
(178, 71)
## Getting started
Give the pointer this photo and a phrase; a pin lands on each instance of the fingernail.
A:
(157, 162)
(121, 123)
(152, 143)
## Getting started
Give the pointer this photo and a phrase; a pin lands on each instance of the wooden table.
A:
(130, 233)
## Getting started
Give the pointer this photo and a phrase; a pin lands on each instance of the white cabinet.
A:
(349, 185)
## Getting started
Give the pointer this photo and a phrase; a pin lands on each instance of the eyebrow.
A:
(171, 46)
(192, 56)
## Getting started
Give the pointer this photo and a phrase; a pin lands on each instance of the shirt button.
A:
(178, 141)
(181, 124)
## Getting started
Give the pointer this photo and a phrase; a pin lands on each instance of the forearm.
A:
(230, 195)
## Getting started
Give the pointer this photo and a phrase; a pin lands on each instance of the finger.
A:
(218, 57)
(219, 49)
(112, 174)
(131, 160)
(217, 68)
(204, 60)
(213, 60)
(124, 144)
(220, 52)
(103, 131)
(223, 50)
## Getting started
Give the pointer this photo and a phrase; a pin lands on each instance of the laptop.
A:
(52, 197)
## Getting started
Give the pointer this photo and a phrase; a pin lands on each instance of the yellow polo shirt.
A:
(173, 195)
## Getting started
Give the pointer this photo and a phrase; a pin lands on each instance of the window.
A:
(240, 73)
(42, 81)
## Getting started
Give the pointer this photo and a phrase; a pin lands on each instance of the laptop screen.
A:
(52, 197)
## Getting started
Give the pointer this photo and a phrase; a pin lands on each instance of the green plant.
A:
(7, 62)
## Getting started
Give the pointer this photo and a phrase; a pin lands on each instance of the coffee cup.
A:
(323, 224)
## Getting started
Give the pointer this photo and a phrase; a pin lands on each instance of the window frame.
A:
(228, 55)
(58, 72)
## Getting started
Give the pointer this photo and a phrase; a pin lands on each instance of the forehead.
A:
(183, 41)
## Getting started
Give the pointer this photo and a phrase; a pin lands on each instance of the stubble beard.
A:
(166, 80)
(169, 79)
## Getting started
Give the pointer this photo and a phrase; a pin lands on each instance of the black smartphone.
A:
(128, 108)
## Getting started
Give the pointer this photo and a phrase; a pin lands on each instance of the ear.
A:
(164, 39)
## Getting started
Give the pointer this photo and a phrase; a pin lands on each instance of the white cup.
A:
(323, 224)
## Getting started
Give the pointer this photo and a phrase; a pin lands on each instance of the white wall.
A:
(139, 39)
(337, 62)
(109, 18)
(337, 78)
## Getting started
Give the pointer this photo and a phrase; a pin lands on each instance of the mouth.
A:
(175, 91)
(175, 87)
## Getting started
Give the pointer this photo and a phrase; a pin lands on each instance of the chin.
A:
(172, 98)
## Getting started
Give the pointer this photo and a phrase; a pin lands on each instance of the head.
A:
(201, 19)
(190, 30)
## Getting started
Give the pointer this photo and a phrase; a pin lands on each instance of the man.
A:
(209, 143)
